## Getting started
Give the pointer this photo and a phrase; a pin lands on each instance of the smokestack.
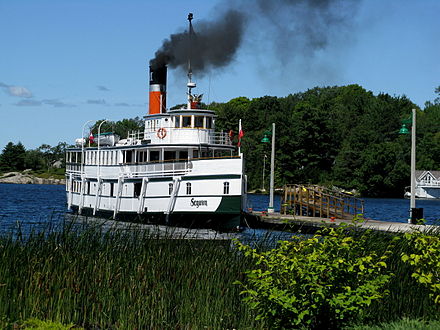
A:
(158, 88)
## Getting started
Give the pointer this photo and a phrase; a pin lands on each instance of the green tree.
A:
(12, 157)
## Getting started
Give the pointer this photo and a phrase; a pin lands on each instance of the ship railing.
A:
(220, 138)
(160, 170)
(136, 135)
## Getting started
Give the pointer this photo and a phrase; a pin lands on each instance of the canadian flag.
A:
(240, 134)
(91, 138)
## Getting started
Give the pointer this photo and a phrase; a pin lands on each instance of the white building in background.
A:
(427, 185)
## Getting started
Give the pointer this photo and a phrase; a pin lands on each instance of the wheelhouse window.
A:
(208, 122)
(188, 188)
(198, 121)
(177, 121)
(186, 121)
(226, 188)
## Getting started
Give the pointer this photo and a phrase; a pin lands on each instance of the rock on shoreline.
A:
(26, 178)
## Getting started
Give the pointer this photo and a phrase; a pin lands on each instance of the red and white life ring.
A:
(161, 133)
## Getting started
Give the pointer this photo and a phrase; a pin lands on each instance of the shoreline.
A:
(26, 178)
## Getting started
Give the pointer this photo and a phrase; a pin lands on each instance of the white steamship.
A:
(178, 169)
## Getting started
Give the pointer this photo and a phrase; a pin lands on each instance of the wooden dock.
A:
(311, 224)
(318, 201)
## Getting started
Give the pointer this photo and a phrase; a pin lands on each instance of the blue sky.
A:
(63, 62)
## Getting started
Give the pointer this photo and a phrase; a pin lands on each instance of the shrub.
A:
(426, 261)
(326, 279)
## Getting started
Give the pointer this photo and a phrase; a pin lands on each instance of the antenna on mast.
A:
(190, 84)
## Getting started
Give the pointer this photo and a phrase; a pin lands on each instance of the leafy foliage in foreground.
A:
(316, 281)
(426, 261)
(37, 324)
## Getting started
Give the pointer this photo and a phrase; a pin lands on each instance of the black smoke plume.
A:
(288, 28)
(213, 44)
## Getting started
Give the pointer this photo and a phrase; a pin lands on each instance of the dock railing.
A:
(318, 201)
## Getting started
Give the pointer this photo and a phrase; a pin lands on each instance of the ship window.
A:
(142, 157)
(195, 154)
(186, 121)
(208, 122)
(154, 156)
(177, 121)
(88, 187)
(112, 188)
(137, 186)
(198, 121)
(128, 156)
(170, 188)
(169, 155)
(188, 188)
(183, 155)
(226, 188)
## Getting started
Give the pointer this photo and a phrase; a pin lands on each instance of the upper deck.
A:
(184, 126)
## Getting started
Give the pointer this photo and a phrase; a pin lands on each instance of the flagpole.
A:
(239, 138)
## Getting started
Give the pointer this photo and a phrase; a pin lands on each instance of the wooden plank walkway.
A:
(279, 221)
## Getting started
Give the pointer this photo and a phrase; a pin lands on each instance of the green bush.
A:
(46, 325)
(327, 279)
(426, 261)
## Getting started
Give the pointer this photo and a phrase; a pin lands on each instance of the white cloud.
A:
(99, 102)
(57, 103)
(103, 88)
(18, 91)
(28, 103)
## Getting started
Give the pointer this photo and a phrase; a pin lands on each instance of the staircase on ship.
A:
(319, 201)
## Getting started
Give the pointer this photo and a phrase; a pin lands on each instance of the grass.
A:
(121, 279)
(132, 278)
(404, 324)
(52, 173)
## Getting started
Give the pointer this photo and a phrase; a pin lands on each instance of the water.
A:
(34, 207)
(383, 209)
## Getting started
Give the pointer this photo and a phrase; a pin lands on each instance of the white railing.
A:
(159, 170)
(136, 135)
(127, 171)
(220, 138)
(432, 183)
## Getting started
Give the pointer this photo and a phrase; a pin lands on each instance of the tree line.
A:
(15, 157)
(342, 135)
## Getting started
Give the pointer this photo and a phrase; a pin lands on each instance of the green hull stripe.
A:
(229, 204)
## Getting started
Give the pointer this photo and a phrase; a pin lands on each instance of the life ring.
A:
(161, 133)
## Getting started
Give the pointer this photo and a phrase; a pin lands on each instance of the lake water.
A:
(34, 207)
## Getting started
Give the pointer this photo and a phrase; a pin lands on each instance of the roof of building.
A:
(435, 174)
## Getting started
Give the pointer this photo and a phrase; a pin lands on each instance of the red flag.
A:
(240, 135)
(91, 138)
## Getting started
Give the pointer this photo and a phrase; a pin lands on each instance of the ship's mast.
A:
(190, 83)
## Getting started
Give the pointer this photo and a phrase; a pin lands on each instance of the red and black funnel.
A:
(158, 87)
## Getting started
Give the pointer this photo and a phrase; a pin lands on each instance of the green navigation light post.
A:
(415, 214)
(265, 139)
